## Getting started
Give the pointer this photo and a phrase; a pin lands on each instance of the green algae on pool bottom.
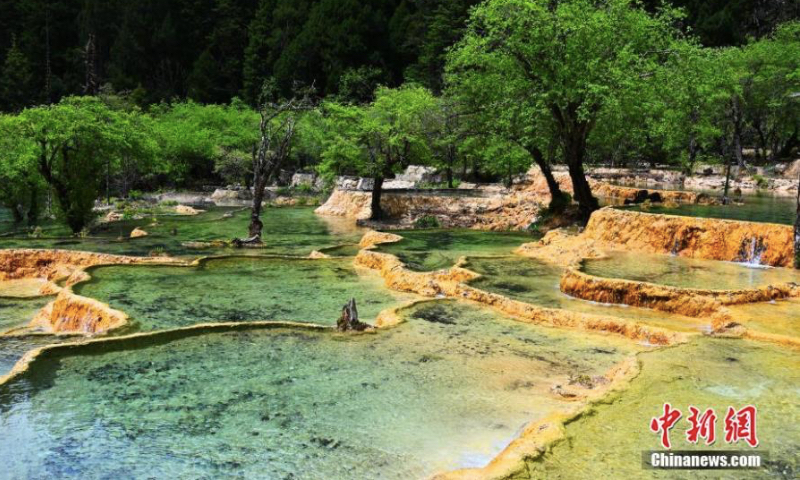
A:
(240, 289)
(707, 373)
(535, 282)
(449, 388)
(780, 317)
(12, 348)
(756, 208)
(426, 250)
(287, 231)
(18, 312)
(687, 272)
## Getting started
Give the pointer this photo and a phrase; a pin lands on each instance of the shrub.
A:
(304, 189)
(761, 182)
(135, 195)
(427, 221)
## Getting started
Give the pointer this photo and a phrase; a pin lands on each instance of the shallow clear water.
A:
(687, 272)
(756, 208)
(18, 312)
(707, 373)
(780, 317)
(536, 282)
(448, 389)
(425, 250)
(12, 348)
(240, 289)
(287, 231)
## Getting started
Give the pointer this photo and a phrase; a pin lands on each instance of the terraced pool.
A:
(449, 388)
(240, 289)
(687, 272)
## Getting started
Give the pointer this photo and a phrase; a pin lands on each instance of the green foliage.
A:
(427, 221)
(377, 139)
(304, 189)
(75, 140)
(555, 67)
(197, 140)
(214, 50)
(16, 80)
(20, 182)
(761, 182)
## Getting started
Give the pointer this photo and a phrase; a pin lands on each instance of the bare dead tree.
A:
(278, 122)
(90, 61)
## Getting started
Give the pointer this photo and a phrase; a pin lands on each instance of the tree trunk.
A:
(574, 150)
(349, 321)
(256, 226)
(558, 199)
(33, 205)
(725, 200)
(377, 190)
(451, 160)
(16, 212)
(692, 142)
(786, 150)
(737, 133)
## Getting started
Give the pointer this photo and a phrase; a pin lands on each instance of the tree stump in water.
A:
(247, 242)
(349, 319)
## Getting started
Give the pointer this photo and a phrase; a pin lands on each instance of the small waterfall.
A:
(675, 248)
(751, 251)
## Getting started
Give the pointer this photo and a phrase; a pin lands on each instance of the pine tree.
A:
(15, 81)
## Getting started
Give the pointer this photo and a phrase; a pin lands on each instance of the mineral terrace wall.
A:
(713, 239)
(70, 313)
(685, 301)
(515, 210)
(58, 264)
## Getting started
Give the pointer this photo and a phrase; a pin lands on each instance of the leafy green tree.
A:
(490, 108)
(772, 67)
(378, 139)
(199, 141)
(20, 182)
(73, 139)
(566, 60)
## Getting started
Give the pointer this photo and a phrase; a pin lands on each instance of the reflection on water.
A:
(404, 403)
(687, 272)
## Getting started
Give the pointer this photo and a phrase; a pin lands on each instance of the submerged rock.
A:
(138, 232)
(187, 210)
